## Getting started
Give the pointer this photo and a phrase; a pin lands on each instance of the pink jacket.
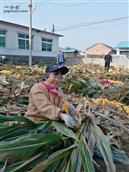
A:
(43, 104)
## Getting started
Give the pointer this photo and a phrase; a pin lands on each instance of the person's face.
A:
(54, 79)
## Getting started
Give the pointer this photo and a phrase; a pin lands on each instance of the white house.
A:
(14, 41)
(123, 48)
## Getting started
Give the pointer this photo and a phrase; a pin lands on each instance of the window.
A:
(2, 38)
(46, 44)
(23, 41)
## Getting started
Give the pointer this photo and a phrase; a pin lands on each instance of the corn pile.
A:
(117, 105)
(27, 147)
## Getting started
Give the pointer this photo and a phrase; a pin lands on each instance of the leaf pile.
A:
(103, 110)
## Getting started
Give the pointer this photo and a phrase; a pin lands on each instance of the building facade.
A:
(99, 49)
(70, 52)
(123, 48)
(14, 41)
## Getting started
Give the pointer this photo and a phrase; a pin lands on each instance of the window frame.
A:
(46, 44)
(3, 35)
(24, 37)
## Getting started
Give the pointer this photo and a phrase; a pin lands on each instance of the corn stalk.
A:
(49, 146)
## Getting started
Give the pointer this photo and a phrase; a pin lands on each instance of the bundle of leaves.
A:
(81, 86)
(50, 146)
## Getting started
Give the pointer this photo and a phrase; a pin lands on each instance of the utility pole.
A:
(1, 5)
(30, 32)
(53, 28)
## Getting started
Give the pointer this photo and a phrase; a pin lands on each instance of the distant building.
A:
(123, 48)
(82, 53)
(70, 52)
(14, 41)
(99, 49)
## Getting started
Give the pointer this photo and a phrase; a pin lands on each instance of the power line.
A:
(66, 1)
(23, 2)
(56, 3)
(91, 23)
(73, 5)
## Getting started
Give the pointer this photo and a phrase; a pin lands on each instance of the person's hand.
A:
(69, 121)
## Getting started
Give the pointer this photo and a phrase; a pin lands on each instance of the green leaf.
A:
(104, 147)
(25, 147)
(76, 160)
(19, 167)
(11, 166)
(4, 167)
(14, 131)
(86, 156)
(124, 96)
(61, 128)
(52, 167)
(54, 158)
(25, 165)
(69, 167)
(4, 118)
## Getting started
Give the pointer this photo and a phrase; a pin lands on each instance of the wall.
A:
(24, 60)
(12, 42)
(74, 60)
(97, 49)
(118, 61)
(67, 55)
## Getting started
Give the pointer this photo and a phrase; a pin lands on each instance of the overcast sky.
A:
(83, 23)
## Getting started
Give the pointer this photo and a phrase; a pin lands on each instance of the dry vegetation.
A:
(102, 101)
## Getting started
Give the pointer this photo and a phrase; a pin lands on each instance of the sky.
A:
(75, 16)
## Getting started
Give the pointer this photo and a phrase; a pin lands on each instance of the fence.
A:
(120, 61)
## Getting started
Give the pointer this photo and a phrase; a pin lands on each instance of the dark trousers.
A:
(5, 61)
(107, 66)
(61, 63)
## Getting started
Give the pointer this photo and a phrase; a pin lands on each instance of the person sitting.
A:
(47, 99)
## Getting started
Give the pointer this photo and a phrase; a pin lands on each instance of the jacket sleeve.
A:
(45, 107)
